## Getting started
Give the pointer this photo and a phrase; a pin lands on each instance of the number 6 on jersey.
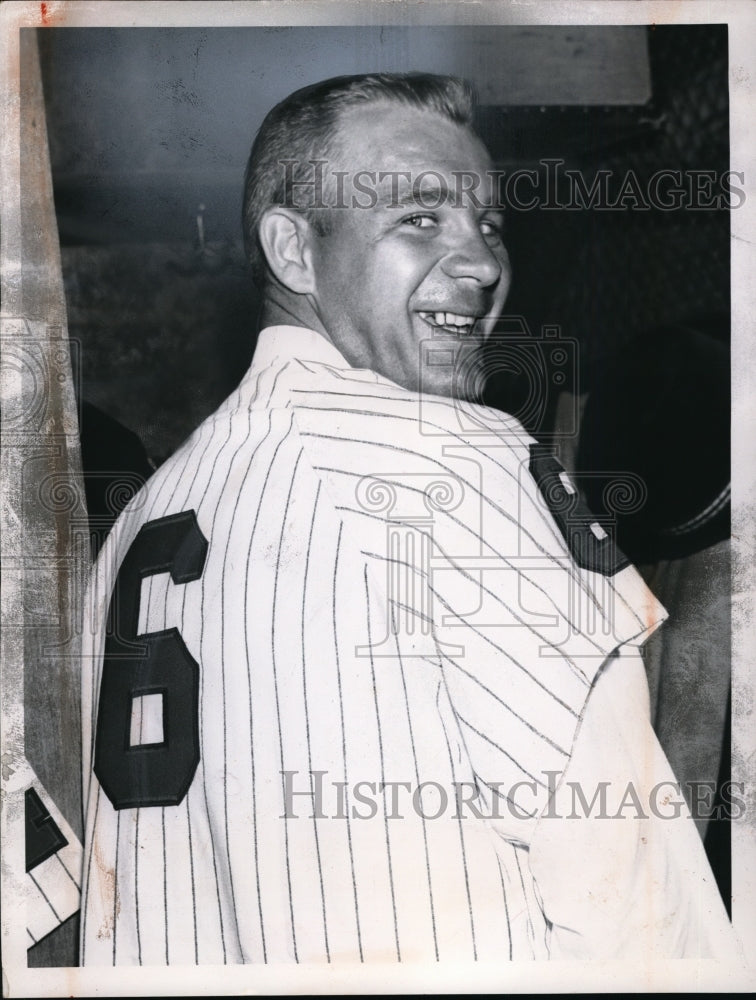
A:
(154, 663)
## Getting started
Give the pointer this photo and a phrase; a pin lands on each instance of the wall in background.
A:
(147, 123)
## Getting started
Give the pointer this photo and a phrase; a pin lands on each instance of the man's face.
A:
(410, 268)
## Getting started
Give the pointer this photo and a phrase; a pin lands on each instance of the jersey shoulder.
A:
(193, 475)
(346, 397)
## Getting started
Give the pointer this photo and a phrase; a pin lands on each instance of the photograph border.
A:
(673, 976)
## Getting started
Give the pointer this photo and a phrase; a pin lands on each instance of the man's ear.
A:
(286, 239)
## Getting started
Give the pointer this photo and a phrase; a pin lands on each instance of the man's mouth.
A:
(456, 324)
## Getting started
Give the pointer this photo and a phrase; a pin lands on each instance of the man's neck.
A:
(274, 315)
(281, 308)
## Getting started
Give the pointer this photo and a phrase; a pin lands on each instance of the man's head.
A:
(379, 246)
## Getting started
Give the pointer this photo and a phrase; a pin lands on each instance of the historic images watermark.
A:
(318, 797)
(416, 505)
(544, 360)
(552, 186)
(454, 499)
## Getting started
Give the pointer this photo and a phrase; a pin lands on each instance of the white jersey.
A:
(344, 662)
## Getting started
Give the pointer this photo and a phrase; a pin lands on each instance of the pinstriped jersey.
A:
(338, 651)
(52, 857)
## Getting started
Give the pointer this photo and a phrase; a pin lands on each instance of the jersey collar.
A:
(284, 343)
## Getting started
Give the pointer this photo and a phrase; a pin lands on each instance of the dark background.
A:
(147, 125)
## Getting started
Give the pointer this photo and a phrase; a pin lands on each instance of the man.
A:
(346, 661)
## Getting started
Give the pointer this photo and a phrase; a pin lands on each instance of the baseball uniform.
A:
(340, 651)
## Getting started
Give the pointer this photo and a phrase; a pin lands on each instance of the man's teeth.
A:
(452, 321)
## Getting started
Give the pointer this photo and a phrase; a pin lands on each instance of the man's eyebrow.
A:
(433, 194)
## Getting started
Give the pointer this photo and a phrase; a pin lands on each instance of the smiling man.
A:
(355, 691)
(409, 255)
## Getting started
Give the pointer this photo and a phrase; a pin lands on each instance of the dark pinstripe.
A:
(277, 701)
(307, 721)
(343, 739)
(382, 766)
(44, 895)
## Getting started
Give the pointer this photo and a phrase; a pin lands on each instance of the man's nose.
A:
(472, 257)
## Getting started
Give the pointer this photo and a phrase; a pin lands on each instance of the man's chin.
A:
(464, 382)
(454, 389)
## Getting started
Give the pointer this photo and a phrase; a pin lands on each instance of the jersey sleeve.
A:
(469, 537)
(53, 857)
(643, 887)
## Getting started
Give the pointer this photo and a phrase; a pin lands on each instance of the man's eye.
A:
(419, 221)
(490, 228)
